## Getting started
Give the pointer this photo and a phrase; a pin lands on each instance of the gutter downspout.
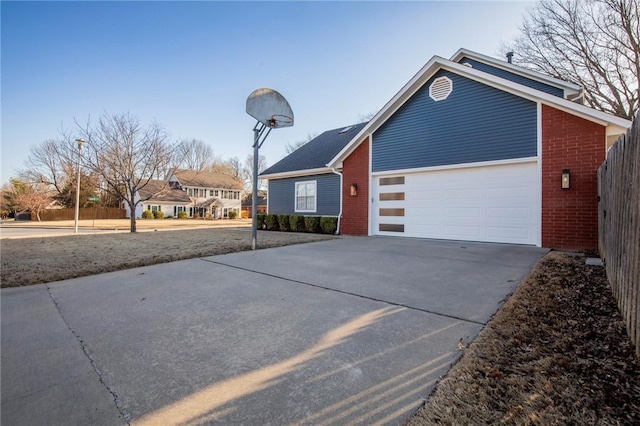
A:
(333, 170)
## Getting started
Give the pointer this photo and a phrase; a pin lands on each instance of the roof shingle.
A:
(206, 179)
(317, 152)
(159, 190)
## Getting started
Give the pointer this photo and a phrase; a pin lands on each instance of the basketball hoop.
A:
(272, 111)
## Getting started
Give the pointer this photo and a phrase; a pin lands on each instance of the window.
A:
(225, 194)
(211, 193)
(225, 212)
(190, 192)
(216, 193)
(306, 196)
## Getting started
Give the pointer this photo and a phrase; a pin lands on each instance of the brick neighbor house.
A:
(471, 148)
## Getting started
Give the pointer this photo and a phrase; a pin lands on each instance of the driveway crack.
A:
(116, 401)
(373, 299)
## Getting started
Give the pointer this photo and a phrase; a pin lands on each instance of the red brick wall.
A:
(355, 210)
(570, 216)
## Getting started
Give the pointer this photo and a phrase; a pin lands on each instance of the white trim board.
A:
(437, 63)
(458, 166)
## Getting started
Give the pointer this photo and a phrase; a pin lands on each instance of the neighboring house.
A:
(199, 194)
(247, 204)
(471, 148)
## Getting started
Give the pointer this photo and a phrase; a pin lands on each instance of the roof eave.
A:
(436, 63)
(384, 113)
(295, 173)
(569, 88)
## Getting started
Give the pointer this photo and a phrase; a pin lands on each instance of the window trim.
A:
(315, 196)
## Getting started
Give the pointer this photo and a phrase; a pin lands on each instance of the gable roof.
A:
(571, 90)
(314, 155)
(206, 179)
(159, 190)
(615, 125)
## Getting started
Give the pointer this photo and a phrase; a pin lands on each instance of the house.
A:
(471, 148)
(247, 204)
(199, 194)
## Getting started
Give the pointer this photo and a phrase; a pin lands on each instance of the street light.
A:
(80, 143)
(272, 111)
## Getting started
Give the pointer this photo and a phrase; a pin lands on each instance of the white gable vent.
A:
(440, 89)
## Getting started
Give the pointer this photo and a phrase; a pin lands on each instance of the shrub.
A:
(182, 215)
(158, 214)
(271, 222)
(260, 219)
(329, 224)
(312, 223)
(232, 214)
(283, 222)
(208, 216)
(296, 223)
(147, 214)
(168, 216)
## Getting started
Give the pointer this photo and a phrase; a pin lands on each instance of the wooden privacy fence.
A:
(619, 225)
(87, 213)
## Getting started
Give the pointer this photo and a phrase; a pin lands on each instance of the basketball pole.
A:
(254, 195)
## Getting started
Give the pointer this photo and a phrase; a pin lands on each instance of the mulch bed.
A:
(556, 353)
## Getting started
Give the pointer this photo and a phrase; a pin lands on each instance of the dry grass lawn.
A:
(555, 354)
(28, 261)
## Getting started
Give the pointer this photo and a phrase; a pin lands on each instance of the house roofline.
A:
(437, 63)
(295, 173)
(516, 69)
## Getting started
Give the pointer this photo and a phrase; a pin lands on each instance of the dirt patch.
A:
(30, 261)
(556, 353)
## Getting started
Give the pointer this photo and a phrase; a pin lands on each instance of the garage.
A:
(497, 203)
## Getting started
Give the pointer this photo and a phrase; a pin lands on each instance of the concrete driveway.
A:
(348, 331)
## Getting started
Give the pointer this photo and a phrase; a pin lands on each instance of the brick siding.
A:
(570, 216)
(355, 210)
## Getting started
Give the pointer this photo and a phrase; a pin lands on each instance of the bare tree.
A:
(247, 172)
(230, 167)
(31, 197)
(126, 156)
(594, 43)
(293, 146)
(194, 154)
(366, 117)
(51, 162)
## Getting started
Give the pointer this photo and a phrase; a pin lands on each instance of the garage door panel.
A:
(509, 213)
(509, 234)
(493, 203)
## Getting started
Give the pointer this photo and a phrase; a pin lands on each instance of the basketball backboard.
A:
(270, 108)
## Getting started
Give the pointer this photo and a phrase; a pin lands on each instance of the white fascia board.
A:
(296, 173)
(508, 161)
(437, 63)
(535, 95)
(387, 110)
(573, 88)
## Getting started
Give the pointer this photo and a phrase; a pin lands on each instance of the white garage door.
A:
(493, 204)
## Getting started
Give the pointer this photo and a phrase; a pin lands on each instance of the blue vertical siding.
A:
(552, 90)
(282, 193)
(475, 123)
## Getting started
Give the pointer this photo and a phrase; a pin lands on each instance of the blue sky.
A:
(191, 65)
